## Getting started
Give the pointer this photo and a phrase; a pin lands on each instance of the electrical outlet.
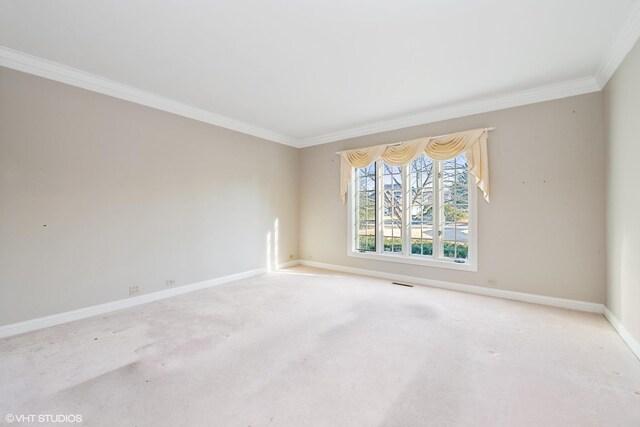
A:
(491, 281)
(134, 290)
(171, 282)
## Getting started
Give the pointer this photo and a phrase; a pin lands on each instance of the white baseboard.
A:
(82, 313)
(472, 289)
(622, 331)
(288, 264)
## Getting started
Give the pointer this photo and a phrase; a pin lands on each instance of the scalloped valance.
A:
(473, 143)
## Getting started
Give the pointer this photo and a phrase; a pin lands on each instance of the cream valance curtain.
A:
(472, 143)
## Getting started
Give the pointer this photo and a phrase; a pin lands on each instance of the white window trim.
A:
(407, 258)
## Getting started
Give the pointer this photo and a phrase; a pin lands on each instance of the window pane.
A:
(422, 246)
(365, 209)
(421, 205)
(392, 208)
(456, 208)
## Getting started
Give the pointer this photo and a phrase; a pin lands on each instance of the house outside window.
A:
(422, 213)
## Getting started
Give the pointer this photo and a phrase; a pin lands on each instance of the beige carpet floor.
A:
(307, 347)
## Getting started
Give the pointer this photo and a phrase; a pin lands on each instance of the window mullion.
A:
(406, 210)
(354, 206)
(437, 210)
(472, 230)
(379, 208)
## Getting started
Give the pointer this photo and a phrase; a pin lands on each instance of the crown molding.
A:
(484, 105)
(620, 46)
(54, 71)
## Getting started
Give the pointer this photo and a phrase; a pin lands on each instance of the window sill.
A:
(415, 260)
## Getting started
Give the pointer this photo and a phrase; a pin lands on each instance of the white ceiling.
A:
(303, 72)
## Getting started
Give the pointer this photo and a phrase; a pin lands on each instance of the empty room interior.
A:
(320, 213)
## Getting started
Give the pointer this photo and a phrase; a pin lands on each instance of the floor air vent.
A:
(402, 284)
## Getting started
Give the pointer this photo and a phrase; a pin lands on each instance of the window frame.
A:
(406, 257)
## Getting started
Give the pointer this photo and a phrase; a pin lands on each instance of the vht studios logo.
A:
(43, 418)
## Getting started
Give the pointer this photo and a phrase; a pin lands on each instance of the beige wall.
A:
(97, 194)
(543, 232)
(622, 143)
(135, 196)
